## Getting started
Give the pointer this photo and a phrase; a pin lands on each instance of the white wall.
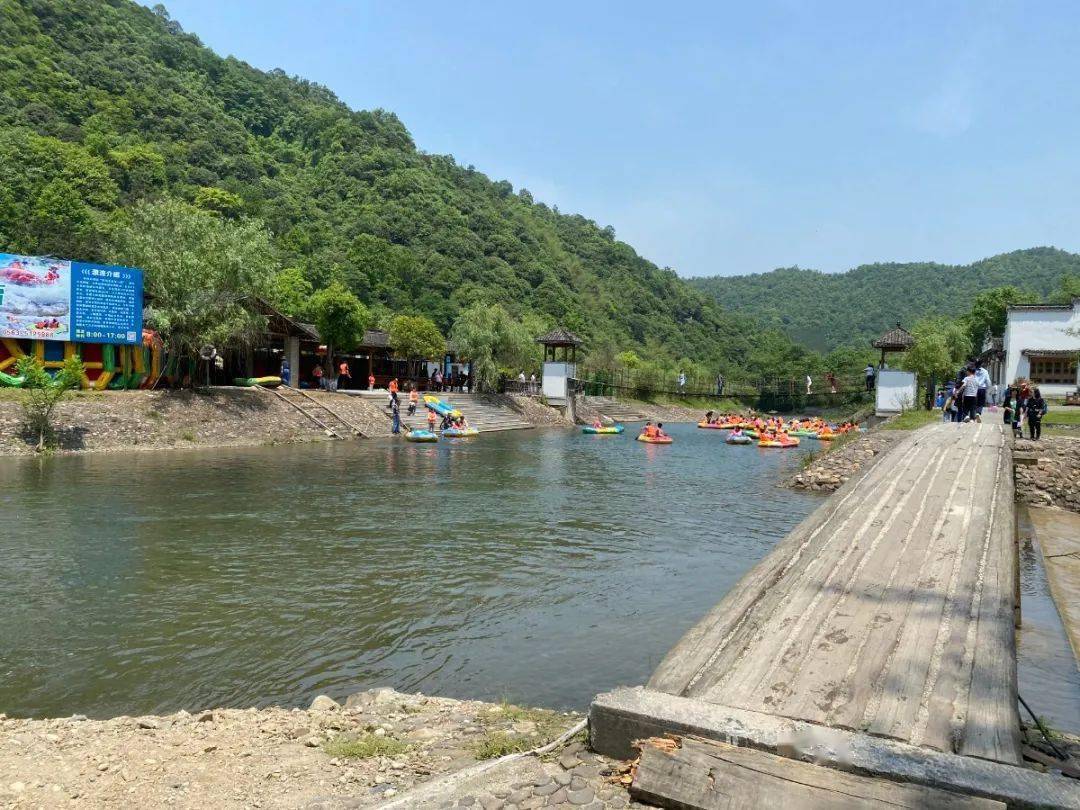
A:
(554, 382)
(896, 391)
(1039, 329)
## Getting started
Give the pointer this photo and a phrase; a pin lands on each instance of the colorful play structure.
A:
(108, 366)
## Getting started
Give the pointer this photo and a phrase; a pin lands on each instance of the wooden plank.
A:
(619, 717)
(707, 775)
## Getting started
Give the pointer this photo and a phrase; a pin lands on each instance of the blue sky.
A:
(722, 138)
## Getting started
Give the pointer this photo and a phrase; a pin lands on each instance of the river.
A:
(540, 566)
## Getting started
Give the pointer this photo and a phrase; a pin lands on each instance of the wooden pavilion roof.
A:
(559, 337)
(897, 339)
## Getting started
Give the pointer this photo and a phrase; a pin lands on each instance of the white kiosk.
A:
(896, 391)
(555, 384)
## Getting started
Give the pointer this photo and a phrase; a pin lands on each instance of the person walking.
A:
(371, 382)
(317, 373)
(983, 378)
(830, 378)
(1035, 409)
(809, 385)
(438, 379)
(395, 416)
(344, 377)
(521, 381)
(286, 372)
(414, 400)
(869, 376)
(969, 390)
(682, 382)
(719, 384)
(532, 383)
(393, 389)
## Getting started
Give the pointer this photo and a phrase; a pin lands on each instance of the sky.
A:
(721, 138)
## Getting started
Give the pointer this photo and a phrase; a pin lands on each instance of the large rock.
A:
(372, 697)
(323, 703)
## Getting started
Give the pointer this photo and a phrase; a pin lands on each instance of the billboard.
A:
(57, 299)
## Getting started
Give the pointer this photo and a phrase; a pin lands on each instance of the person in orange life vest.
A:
(649, 431)
(343, 374)
(393, 387)
(431, 420)
(414, 400)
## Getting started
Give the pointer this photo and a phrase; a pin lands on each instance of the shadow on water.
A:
(542, 566)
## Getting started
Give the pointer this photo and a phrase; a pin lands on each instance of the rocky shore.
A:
(827, 471)
(376, 746)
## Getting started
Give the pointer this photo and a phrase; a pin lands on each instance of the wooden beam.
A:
(693, 773)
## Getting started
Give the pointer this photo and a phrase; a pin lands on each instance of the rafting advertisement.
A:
(56, 299)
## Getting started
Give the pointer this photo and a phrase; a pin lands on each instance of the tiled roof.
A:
(1050, 352)
(376, 339)
(897, 338)
(559, 337)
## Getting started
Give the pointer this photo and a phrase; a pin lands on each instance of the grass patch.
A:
(1063, 415)
(365, 746)
(187, 436)
(911, 420)
(497, 744)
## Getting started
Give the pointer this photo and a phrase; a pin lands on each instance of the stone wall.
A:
(91, 421)
(1048, 471)
(828, 471)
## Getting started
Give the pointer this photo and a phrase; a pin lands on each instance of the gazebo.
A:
(897, 339)
(558, 373)
(560, 338)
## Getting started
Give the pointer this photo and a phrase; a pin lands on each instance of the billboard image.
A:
(56, 299)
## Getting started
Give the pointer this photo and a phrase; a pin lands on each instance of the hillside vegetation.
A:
(826, 310)
(105, 103)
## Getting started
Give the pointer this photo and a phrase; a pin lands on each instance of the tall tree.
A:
(202, 273)
(341, 319)
(416, 338)
(941, 346)
(491, 341)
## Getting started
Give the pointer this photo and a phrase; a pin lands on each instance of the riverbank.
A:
(376, 746)
(830, 467)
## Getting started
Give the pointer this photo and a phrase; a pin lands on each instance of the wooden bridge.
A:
(876, 639)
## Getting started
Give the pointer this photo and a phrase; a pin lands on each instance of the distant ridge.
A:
(826, 310)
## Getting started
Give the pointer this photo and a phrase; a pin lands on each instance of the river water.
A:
(539, 566)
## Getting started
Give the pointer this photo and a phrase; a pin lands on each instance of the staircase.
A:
(614, 409)
(333, 424)
(483, 412)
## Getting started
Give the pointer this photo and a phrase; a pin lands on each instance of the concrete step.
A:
(483, 413)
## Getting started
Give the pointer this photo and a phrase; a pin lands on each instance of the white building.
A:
(1038, 346)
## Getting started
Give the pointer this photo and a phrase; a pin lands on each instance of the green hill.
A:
(104, 103)
(826, 310)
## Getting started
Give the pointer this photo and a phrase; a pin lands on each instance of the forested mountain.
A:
(826, 310)
(104, 103)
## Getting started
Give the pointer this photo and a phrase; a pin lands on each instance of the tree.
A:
(490, 340)
(202, 273)
(416, 338)
(341, 319)
(941, 347)
(988, 312)
(219, 201)
(42, 392)
(290, 292)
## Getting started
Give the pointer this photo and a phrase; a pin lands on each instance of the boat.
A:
(712, 426)
(655, 439)
(603, 430)
(742, 439)
(460, 433)
(421, 435)
(265, 382)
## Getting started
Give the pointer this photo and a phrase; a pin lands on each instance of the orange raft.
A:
(655, 439)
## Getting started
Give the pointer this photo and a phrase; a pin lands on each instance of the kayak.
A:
(265, 382)
(603, 430)
(421, 436)
(441, 407)
(655, 440)
(744, 439)
(775, 443)
(712, 426)
(826, 437)
(460, 433)
(11, 382)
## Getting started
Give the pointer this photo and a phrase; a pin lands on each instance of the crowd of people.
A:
(966, 398)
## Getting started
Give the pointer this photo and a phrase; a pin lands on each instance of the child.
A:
(431, 420)
(414, 399)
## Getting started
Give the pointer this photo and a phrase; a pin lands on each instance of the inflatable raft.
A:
(265, 382)
(790, 442)
(712, 426)
(421, 436)
(460, 433)
(441, 407)
(655, 439)
(744, 439)
(603, 430)
(9, 381)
